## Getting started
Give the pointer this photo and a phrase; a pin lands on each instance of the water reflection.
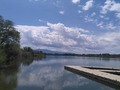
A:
(49, 78)
(9, 75)
(49, 74)
(8, 78)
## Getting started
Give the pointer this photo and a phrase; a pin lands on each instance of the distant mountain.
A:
(49, 51)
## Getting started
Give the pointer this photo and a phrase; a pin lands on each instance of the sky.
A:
(71, 26)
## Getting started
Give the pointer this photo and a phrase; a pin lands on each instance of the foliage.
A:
(9, 40)
(2, 55)
(28, 52)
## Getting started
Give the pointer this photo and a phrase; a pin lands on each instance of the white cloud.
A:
(101, 16)
(75, 1)
(93, 14)
(61, 12)
(107, 6)
(88, 5)
(58, 37)
(109, 26)
(89, 19)
(79, 11)
(118, 15)
(42, 21)
(110, 41)
(55, 37)
(115, 7)
(111, 6)
(100, 25)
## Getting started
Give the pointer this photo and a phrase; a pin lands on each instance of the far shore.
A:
(87, 55)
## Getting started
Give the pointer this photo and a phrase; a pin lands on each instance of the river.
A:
(49, 74)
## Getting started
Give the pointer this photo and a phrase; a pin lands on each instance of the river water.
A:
(49, 74)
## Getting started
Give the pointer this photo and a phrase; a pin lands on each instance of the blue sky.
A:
(76, 26)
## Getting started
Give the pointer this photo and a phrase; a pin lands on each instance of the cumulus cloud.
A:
(55, 37)
(58, 37)
(88, 5)
(106, 7)
(112, 6)
(110, 40)
(75, 1)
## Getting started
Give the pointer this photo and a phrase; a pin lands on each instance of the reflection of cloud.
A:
(48, 77)
(49, 73)
(39, 77)
(77, 81)
(64, 61)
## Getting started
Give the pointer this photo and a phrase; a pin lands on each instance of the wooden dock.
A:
(108, 76)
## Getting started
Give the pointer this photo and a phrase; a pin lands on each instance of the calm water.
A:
(49, 74)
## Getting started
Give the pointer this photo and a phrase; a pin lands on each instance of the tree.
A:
(9, 38)
(2, 55)
(8, 34)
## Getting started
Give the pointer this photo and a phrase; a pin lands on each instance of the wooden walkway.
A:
(97, 73)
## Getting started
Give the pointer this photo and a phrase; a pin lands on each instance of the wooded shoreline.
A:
(106, 55)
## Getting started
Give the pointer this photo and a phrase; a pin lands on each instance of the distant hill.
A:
(105, 55)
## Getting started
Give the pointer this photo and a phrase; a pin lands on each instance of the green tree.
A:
(9, 38)
(2, 55)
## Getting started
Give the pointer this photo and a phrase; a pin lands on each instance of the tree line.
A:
(104, 55)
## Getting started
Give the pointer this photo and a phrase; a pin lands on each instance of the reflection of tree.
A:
(27, 61)
(8, 78)
(8, 73)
